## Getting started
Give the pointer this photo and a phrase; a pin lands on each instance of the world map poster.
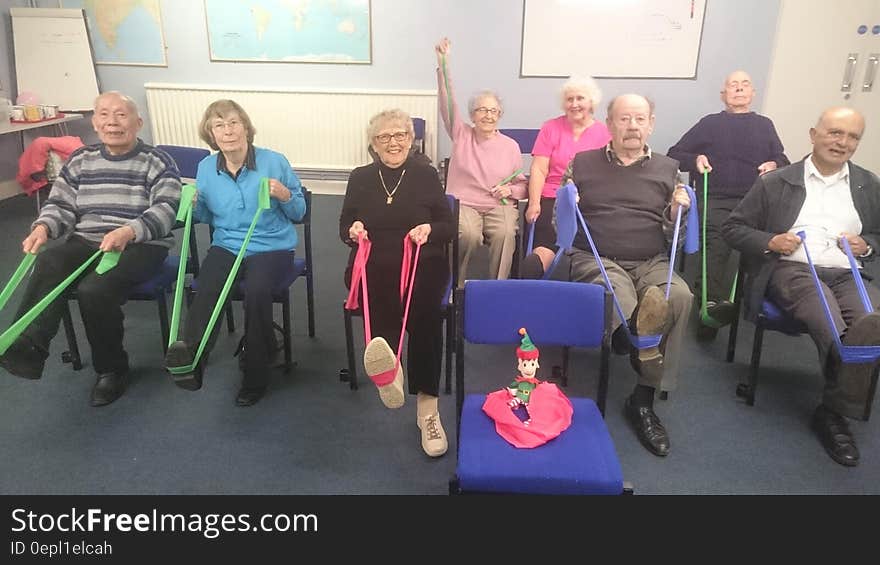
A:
(292, 31)
(124, 32)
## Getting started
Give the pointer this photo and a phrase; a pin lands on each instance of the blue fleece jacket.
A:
(229, 204)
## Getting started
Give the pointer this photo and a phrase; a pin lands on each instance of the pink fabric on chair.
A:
(32, 163)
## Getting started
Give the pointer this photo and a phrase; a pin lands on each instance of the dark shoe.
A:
(722, 312)
(24, 359)
(249, 396)
(648, 428)
(836, 438)
(180, 355)
(108, 388)
(706, 333)
(620, 343)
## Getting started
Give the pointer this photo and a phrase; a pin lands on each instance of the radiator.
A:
(321, 132)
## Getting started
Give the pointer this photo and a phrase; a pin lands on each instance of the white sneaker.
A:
(379, 358)
(433, 436)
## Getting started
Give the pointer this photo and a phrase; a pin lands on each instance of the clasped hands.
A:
(419, 234)
(787, 243)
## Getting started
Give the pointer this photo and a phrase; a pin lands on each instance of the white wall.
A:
(486, 43)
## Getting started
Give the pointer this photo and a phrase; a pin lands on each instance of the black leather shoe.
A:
(722, 312)
(836, 438)
(620, 343)
(23, 359)
(649, 430)
(180, 355)
(108, 388)
(249, 396)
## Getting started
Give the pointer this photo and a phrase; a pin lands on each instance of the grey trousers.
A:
(792, 288)
(497, 229)
(629, 278)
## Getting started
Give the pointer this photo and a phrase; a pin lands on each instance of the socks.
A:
(643, 396)
(531, 267)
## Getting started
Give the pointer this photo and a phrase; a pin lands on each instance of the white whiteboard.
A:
(53, 57)
(612, 38)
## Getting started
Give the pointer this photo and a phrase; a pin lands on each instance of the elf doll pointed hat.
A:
(526, 349)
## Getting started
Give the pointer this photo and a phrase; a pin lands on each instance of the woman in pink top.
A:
(557, 143)
(482, 158)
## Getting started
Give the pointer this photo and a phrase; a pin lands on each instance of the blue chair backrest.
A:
(553, 312)
(524, 137)
(187, 158)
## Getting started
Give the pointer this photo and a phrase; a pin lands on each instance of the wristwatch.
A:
(867, 253)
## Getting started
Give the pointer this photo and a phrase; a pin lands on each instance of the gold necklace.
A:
(385, 188)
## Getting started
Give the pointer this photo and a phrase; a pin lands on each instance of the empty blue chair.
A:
(582, 460)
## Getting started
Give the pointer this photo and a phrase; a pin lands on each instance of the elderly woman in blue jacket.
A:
(228, 183)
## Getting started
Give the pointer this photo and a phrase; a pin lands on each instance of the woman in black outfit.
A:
(395, 197)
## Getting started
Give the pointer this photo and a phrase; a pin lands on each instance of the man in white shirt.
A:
(828, 198)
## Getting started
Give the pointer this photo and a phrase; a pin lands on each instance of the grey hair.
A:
(613, 100)
(584, 84)
(132, 105)
(475, 99)
(379, 121)
(221, 109)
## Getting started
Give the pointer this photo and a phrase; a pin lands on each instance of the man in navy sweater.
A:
(736, 145)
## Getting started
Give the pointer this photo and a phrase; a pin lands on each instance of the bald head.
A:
(115, 95)
(835, 138)
(630, 120)
(841, 113)
(738, 92)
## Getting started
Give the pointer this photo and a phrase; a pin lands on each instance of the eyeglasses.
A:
(840, 135)
(490, 111)
(398, 136)
(221, 126)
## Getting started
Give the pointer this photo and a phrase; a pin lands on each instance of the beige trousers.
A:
(495, 228)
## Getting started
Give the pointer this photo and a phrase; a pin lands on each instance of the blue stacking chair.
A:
(160, 285)
(771, 318)
(581, 460)
(349, 375)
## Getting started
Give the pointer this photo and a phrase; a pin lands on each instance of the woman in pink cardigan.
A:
(481, 174)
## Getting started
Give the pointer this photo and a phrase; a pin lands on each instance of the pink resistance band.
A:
(359, 282)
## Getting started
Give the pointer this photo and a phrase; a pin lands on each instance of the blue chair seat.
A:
(775, 319)
(160, 283)
(581, 460)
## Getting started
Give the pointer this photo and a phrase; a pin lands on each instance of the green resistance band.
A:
(184, 214)
(704, 312)
(507, 180)
(263, 203)
(446, 84)
(15, 330)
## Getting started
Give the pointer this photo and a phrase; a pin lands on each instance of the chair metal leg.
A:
(72, 354)
(287, 331)
(164, 326)
(351, 377)
(450, 339)
(310, 296)
(565, 354)
(731, 338)
(872, 390)
(230, 318)
(747, 391)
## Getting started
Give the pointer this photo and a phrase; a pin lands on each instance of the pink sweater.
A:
(478, 164)
(556, 141)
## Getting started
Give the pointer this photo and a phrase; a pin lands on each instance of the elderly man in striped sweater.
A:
(119, 194)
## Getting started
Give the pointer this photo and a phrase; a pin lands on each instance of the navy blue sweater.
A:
(736, 144)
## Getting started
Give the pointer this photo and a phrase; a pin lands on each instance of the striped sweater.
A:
(97, 192)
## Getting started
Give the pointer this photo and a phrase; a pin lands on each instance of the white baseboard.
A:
(9, 188)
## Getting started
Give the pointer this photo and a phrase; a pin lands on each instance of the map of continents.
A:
(336, 31)
(124, 32)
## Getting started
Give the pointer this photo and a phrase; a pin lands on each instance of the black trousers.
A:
(100, 296)
(260, 272)
(792, 288)
(719, 273)
(425, 323)
(545, 233)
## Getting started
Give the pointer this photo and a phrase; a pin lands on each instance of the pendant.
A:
(389, 199)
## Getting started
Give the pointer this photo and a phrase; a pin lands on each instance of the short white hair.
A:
(475, 99)
(584, 84)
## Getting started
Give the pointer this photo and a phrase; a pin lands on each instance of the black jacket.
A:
(771, 207)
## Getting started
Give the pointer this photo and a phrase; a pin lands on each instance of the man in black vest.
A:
(629, 197)
(827, 197)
